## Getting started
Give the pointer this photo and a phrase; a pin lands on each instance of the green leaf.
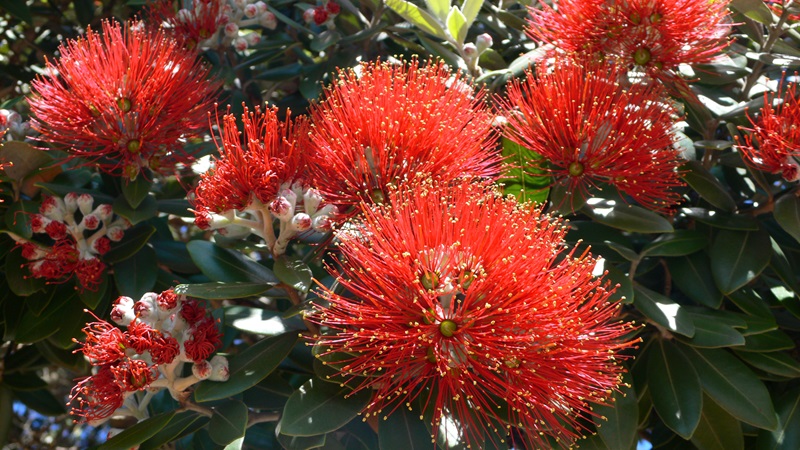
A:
(692, 274)
(300, 442)
(712, 333)
(132, 241)
(176, 206)
(221, 264)
(294, 272)
(439, 8)
(41, 401)
(228, 422)
(147, 209)
(236, 444)
(137, 275)
(663, 311)
(721, 219)
(787, 435)
(318, 407)
(733, 386)
(624, 251)
(221, 291)
(417, 16)
(33, 328)
(248, 367)
(679, 243)
(136, 191)
(624, 292)
(771, 341)
(717, 429)
(92, 298)
(777, 363)
(142, 431)
(626, 217)
(675, 388)
(18, 9)
(738, 257)
(403, 430)
(751, 303)
(19, 277)
(754, 9)
(259, 321)
(470, 9)
(617, 423)
(457, 24)
(787, 214)
(707, 185)
(520, 179)
(23, 381)
(322, 42)
(181, 424)
(18, 217)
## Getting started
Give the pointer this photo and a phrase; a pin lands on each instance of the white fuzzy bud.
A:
(261, 6)
(250, 11)
(71, 202)
(85, 202)
(483, 42)
(240, 44)
(219, 369)
(252, 39)
(202, 370)
(301, 222)
(268, 21)
(231, 29)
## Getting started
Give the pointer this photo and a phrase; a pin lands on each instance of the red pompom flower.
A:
(126, 99)
(591, 131)
(471, 303)
(652, 35)
(381, 124)
(773, 144)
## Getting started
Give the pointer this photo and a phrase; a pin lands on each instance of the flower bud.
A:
(311, 200)
(202, 370)
(231, 29)
(261, 7)
(268, 21)
(322, 224)
(115, 233)
(470, 50)
(90, 222)
(240, 44)
(320, 15)
(252, 39)
(250, 11)
(122, 311)
(219, 369)
(71, 202)
(103, 211)
(101, 245)
(308, 15)
(145, 308)
(53, 208)
(240, 3)
(38, 223)
(281, 208)
(790, 170)
(85, 202)
(333, 7)
(301, 222)
(483, 42)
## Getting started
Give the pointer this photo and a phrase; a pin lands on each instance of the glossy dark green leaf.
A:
(248, 367)
(18, 9)
(712, 333)
(717, 429)
(33, 328)
(754, 9)
(624, 291)
(260, 321)
(619, 429)
(626, 217)
(294, 272)
(675, 388)
(707, 185)
(692, 274)
(738, 257)
(679, 243)
(177, 426)
(18, 276)
(17, 217)
(175, 256)
(771, 341)
(175, 206)
(41, 401)
(142, 431)
(319, 407)
(403, 430)
(663, 311)
(221, 264)
(132, 241)
(787, 214)
(137, 275)
(626, 252)
(777, 363)
(733, 386)
(23, 381)
(147, 209)
(301, 442)
(220, 291)
(519, 179)
(751, 303)
(787, 435)
(719, 219)
(228, 422)
(38, 301)
(136, 191)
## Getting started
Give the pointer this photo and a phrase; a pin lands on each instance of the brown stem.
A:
(774, 34)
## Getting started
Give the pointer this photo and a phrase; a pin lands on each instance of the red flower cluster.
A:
(381, 124)
(78, 243)
(272, 155)
(472, 305)
(592, 131)
(162, 331)
(124, 99)
(193, 25)
(773, 144)
(320, 14)
(654, 35)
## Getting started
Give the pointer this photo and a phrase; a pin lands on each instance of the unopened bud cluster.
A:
(298, 209)
(163, 332)
(80, 234)
(11, 122)
(322, 14)
(231, 19)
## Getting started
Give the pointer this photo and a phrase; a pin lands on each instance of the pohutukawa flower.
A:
(471, 304)
(773, 144)
(196, 26)
(126, 99)
(591, 131)
(653, 35)
(383, 124)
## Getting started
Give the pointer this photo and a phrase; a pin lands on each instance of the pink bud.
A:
(202, 370)
(90, 222)
(85, 202)
(240, 44)
(268, 21)
(252, 39)
(301, 222)
(308, 15)
(250, 11)
(71, 202)
(115, 234)
(231, 29)
(261, 6)
(483, 42)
